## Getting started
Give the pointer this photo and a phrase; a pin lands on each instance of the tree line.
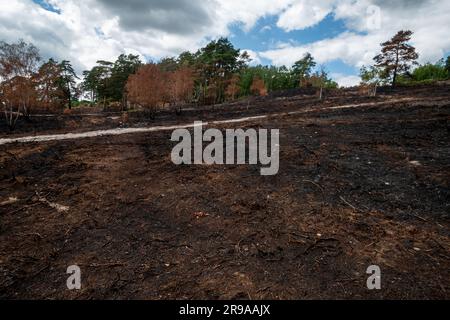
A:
(27, 84)
(218, 72)
(213, 74)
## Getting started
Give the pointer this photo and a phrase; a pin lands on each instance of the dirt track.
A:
(122, 131)
(356, 187)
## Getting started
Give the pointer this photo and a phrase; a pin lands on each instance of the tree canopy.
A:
(302, 68)
(107, 80)
(397, 56)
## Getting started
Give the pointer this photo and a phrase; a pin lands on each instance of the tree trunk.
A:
(69, 97)
(11, 119)
(124, 102)
(394, 80)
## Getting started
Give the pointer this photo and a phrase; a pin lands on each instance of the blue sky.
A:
(340, 34)
(47, 6)
(265, 35)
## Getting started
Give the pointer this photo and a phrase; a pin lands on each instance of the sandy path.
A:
(122, 131)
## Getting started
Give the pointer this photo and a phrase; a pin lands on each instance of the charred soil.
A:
(366, 184)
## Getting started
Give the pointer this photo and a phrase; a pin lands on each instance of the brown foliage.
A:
(258, 87)
(210, 94)
(49, 91)
(125, 117)
(233, 87)
(147, 87)
(397, 55)
(19, 95)
(16, 95)
(68, 111)
(180, 85)
(18, 64)
(368, 89)
(152, 88)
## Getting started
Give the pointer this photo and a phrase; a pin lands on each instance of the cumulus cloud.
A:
(345, 80)
(304, 14)
(170, 16)
(256, 60)
(369, 23)
(87, 30)
(353, 49)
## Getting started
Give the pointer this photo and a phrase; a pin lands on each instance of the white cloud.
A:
(304, 14)
(254, 56)
(427, 19)
(351, 48)
(345, 80)
(248, 12)
(88, 30)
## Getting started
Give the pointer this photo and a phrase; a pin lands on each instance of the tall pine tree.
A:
(397, 56)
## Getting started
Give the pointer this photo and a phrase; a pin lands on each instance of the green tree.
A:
(216, 63)
(371, 78)
(220, 58)
(90, 84)
(123, 67)
(303, 68)
(68, 82)
(321, 80)
(96, 80)
(187, 59)
(107, 80)
(447, 66)
(371, 75)
(430, 71)
(275, 78)
(168, 64)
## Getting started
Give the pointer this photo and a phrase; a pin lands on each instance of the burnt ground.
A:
(356, 187)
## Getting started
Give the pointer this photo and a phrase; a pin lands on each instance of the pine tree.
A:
(447, 65)
(68, 82)
(302, 69)
(397, 56)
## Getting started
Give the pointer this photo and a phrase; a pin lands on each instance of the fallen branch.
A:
(60, 208)
(349, 204)
(418, 217)
(317, 185)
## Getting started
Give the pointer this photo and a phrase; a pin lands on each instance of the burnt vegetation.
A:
(215, 74)
(364, 179)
